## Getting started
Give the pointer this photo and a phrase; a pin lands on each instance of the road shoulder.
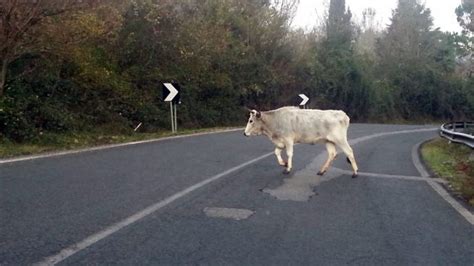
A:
(458, 205)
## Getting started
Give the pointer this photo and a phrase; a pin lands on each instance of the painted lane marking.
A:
(89, 241)
(458, 207)
(415, 157)
(384, 134)
(438, 188)
(104, 147)
(300, 186)
(73, 249)
(405, 177)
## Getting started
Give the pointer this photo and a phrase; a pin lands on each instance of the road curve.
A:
(51, 204)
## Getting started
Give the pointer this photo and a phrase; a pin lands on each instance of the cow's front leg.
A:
(278, 155)
(332, 152)
(289, 153)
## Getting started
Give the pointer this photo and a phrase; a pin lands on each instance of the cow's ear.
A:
(258, 114)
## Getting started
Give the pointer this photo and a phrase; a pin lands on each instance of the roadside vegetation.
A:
(71, 67)
(453, 162)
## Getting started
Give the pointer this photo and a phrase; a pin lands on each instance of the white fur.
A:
(289, 125)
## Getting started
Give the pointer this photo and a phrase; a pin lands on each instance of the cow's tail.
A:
(346, 121)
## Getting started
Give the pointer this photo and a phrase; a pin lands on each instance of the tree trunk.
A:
(3, 76)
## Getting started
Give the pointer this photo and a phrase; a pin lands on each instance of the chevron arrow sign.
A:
(305, 99)
(170, 92)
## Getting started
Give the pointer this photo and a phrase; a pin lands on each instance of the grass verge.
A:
(78, 140)
(453, 162)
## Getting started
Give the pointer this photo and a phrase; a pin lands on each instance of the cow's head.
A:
(255, 124)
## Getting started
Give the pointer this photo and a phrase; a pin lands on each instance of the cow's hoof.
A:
(354, 175)
(321, 172)
(286, 171)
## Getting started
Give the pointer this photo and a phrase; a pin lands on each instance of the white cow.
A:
(289, 125)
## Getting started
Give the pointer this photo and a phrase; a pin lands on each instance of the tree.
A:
(369, 31)
(408, 37)
(20, 22)
(465, 16)
(337, 72)
(414, 58)
(464, 41)
(339, 30)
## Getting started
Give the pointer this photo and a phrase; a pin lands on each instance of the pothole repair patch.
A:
(300, 186)
(228, 213)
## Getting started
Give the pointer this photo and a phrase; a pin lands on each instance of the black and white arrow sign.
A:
(305, 99)
(170, 92)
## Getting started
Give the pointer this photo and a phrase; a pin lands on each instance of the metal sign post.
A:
(171, 94)
(175, 117)
(172, 117)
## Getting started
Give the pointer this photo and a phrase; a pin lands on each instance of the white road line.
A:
(299, 187)
(73, 249)
(384, 134)
(458, 207)
(438, 188)
(103, 147)
(417, 162)
(405, 177)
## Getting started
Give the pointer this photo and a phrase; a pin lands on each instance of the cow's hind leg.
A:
(278, 155)
(344, 145)
(331, 149)
(289, 153)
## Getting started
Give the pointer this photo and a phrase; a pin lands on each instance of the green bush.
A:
(14, 122)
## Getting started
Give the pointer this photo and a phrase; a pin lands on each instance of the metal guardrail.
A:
(460, 132)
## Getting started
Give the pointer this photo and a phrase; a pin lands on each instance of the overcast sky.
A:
(442, 11)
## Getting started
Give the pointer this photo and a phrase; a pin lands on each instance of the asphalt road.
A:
(387, 216)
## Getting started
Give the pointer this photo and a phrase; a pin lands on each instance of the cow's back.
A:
(309, 125)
